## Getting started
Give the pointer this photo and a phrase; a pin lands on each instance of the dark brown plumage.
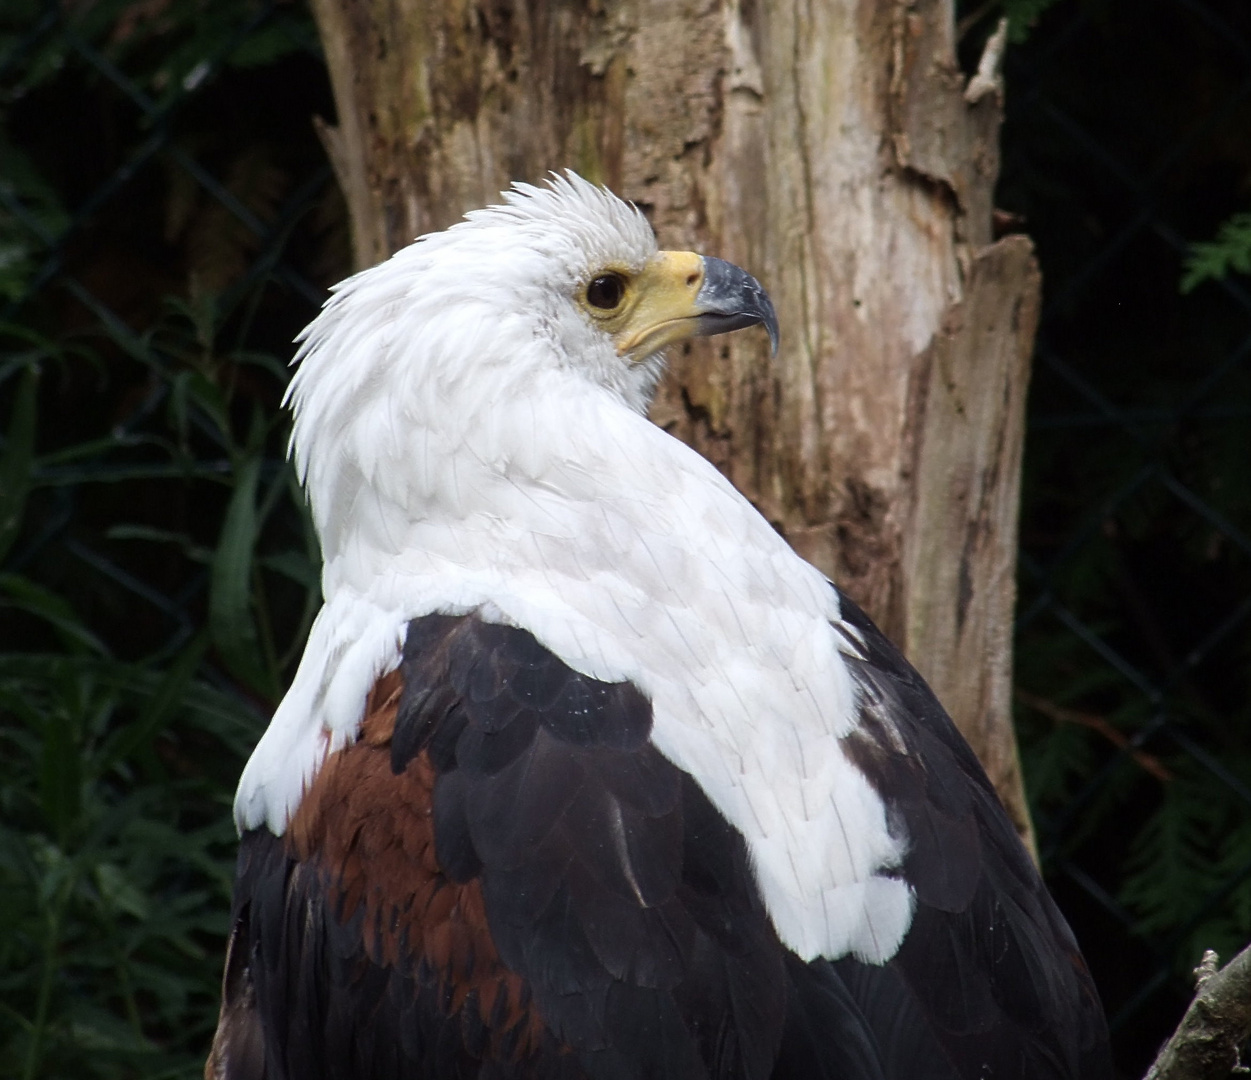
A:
(503, 878)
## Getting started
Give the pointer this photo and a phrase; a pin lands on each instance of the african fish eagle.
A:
(585, 773)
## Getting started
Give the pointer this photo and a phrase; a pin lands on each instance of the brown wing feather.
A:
(367, 833)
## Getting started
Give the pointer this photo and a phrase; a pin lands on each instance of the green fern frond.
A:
(1215, 259)
(1171, 867)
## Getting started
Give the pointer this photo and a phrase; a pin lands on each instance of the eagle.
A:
(585, 773)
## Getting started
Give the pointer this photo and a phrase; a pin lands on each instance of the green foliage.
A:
(115, 863)
(1022, 16)
(1192, 849)
(158, 573)
(15, 464)
(165, 48)
(116, 846)
(31, 217)
(1214, 260)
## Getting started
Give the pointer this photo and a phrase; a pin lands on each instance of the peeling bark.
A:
(829, 147)
(965, 429)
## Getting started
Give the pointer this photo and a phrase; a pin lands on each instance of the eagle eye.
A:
(605, 292)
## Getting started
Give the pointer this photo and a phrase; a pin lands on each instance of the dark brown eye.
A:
(606, 291)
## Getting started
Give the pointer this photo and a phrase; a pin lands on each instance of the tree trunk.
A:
(833, 149)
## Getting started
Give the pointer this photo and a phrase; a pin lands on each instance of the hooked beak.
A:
(731, 299)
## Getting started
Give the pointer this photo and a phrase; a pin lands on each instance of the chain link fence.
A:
(1125, 144)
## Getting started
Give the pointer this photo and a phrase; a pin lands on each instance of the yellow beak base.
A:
(666, 308)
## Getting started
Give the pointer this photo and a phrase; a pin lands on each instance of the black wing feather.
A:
(584, 833)
(989, 962)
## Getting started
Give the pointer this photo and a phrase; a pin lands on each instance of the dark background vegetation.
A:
(168, 223)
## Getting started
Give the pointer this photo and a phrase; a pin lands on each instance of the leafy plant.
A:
(116, 844)
(1215, 259)
(157, 569)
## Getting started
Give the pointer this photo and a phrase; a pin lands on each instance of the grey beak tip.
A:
(770, 323)
(731, 299)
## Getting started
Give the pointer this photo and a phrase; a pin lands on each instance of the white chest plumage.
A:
(673, 582)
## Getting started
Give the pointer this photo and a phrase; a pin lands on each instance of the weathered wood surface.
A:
(1206, 1043)
(833, 148)
(965, 430)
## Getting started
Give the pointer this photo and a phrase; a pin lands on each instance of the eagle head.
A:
(480, 344)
